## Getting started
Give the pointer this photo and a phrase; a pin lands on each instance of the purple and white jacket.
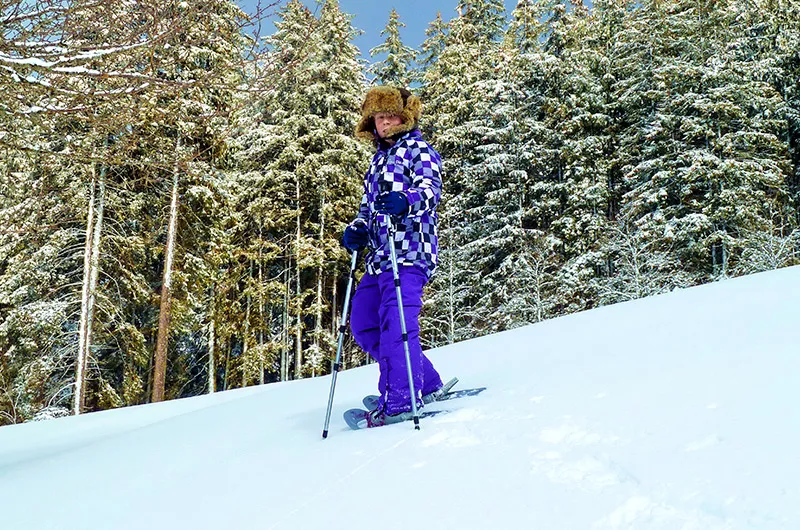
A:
(413, 167)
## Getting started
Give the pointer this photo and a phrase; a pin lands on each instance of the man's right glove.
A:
(355, 237)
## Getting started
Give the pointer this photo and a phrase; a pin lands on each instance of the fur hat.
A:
(391, 100)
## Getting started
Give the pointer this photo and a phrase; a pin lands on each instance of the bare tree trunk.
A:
(212, 367)
(226, 379)
(298, 356)
(260, 312)
(246, 333)
(452, 302)
(285, 332)
(318, 325)
(334, 312)
(160, 375)
(335, 318)
(95, 263)
(91, 268)
(80, 365)
(318, 316)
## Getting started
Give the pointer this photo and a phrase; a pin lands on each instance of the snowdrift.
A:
(673, 412)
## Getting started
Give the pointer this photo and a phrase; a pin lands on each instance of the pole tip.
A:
(324, 434)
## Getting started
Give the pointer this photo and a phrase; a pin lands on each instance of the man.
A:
(402, 186)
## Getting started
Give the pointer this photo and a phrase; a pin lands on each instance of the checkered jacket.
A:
(412, 167)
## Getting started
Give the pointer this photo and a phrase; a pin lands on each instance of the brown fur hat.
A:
(391, 100)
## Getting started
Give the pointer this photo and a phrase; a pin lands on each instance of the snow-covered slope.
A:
(674, 412)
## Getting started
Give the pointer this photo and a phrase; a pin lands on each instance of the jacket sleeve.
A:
(426, 187)
(363, 212)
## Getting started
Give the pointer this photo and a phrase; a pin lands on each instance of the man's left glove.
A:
(393, 202)
(355, 237)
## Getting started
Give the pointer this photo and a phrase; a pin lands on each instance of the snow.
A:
(80, 56)
(671, 412)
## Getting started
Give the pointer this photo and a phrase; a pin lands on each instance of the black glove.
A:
(393, 202)
(355, 237)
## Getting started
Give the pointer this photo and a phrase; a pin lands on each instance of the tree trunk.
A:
(246, 331)
(318, 323)
(298, 356)
(451, 298)
(335, 319)
(334, 312)
(160, 375)
(80, 365)
(285, 331)
(91, 268)
(95, 261)
(212, 367)
(260, 312)
(226, 377)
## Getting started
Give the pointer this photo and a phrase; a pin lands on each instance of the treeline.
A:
(600, 155)
(174, 188)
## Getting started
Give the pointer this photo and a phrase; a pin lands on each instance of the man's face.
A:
(384, 121)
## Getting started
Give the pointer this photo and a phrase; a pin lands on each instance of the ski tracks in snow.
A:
(579, 458)
(641, 511)
(575, 454)
(575, 457)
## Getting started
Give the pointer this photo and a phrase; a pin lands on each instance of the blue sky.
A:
(371, 17)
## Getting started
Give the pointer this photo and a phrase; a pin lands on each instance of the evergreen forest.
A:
(175, 181)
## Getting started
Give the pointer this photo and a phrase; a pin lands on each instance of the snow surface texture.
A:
(673, 412)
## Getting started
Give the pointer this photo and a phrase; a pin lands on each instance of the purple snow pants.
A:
(375, 322)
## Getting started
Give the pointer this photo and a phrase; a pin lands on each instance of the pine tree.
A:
(305, 170)
(40, 252)
(191, 131)
(589, 120)
(431, 49)
(396, 69)
(109, 152)
(768, 32)
(459, 89)
(710, 147)
(507, 242)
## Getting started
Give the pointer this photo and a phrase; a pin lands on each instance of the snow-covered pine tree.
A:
(41, 252)
(266, 153)
(190, 129)
(771, 38)
(785, 36)
(511, 182)
(750, 122)
(572, 198)
(634, 263)
(68, 109)
(334, 166)
(590, 119)
(396, 69)
(711, 163)
(525, 199)
(435, 35)
(766, 51)
(304, 172)
(457, 89)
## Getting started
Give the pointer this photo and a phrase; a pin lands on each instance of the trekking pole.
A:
(391, 231)
(342, 329)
